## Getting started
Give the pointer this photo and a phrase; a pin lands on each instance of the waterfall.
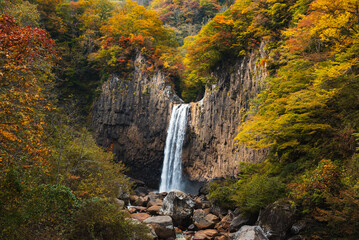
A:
(171, 177)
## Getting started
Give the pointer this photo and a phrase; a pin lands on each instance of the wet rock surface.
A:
(277, 219)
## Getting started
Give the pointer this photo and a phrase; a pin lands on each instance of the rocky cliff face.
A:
(133, 115)
(210, 150)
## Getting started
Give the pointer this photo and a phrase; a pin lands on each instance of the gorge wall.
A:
(133, 115)
(210, 150)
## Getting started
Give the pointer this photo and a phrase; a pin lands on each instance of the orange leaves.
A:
(221, 19)
(25, 59)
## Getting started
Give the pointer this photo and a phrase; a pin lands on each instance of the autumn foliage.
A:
(26, 55)
(133, 30)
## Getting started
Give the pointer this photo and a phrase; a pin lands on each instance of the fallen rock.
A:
(223, 225)
(179, 206)
(237, 223)
(124, 196)
(218, 211)
(203, 220)
(163, 226)
(154, 210)
(140, 216)
(249, 233)
(207, 234)
(138, 200)
(141, 191)
(157, 203)
(277, 218)
(155, 199)
(134, 209)
(198, 202)
(222, 237)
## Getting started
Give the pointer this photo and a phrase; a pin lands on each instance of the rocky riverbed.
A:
(177, 215)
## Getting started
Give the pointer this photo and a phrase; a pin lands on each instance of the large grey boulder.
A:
(179, 206)
(162, 225)
(249, 233)
(277, 218)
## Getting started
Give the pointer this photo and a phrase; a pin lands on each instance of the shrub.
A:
(257, 192)
(100, 219)
(221, 195)
(40, 212)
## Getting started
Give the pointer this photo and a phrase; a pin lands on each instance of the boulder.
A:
(223, 225)
(207, 234)
(203, 220)
(222, 237)
(237, 223)
(249, 233)
(138, 200)
(218, 211)
(141, 191)
(198, 202)
(277, 218)
(179, 206)
(134, 209)
(155, 199)
(156, 203)
(124, 196)
(154, 210)
(201, 202)
(162, 225)
(140, 216)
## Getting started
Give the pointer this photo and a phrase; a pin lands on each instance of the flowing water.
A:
(171, 177)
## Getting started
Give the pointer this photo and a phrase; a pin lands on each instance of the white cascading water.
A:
(171, 177)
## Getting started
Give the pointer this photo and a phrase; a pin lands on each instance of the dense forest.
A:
(56, 183)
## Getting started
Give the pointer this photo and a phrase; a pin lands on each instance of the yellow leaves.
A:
(331, 22)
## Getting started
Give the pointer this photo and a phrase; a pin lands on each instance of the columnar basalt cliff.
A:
(133, 116)
(210, 150)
